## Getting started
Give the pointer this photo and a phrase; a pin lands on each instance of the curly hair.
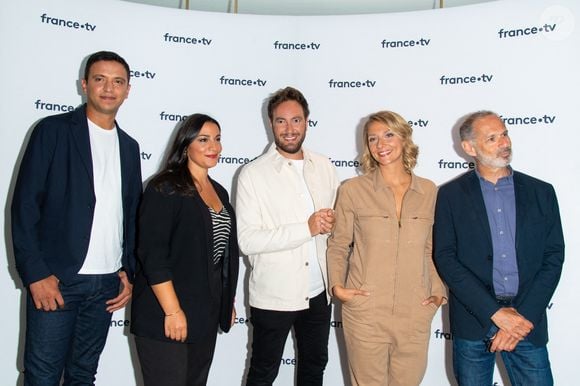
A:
(401, 128)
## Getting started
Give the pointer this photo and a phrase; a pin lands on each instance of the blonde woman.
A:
(379, 259)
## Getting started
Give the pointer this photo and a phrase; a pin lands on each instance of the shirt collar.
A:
(509, 178)
(279, 161)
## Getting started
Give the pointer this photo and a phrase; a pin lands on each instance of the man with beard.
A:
(284, 201)
(498, 245)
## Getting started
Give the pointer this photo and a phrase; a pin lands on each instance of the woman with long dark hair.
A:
(187, 261)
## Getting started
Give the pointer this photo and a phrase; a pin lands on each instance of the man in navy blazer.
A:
(498, 245)
(73, 227)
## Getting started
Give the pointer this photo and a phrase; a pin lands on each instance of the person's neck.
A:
(395, 175)
(200, 176)
(492, 174)
(104, 121)
(299, 155)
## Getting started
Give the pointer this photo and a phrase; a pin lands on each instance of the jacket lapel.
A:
(521, 205)
(126, 167)
(473, 188)
(80, 135)
(207, 231)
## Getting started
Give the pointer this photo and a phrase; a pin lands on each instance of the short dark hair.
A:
(287, 94)
(466, 128)
(107, 56)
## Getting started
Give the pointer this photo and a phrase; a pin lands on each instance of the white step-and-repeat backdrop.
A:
(519, 58)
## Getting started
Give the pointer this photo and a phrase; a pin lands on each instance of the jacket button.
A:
(306, 298)
(306, 264)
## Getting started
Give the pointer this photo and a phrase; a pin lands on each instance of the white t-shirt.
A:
(105, 246)
(316, 279)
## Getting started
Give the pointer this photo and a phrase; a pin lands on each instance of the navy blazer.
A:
(463, 254)
(54, 199)
(176, 243)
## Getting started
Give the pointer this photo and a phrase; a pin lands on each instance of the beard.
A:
(501, 159)
(290, 148)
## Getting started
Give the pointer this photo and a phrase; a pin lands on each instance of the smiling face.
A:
(385, 146)
(289, 128)
(204, 151)
(490, 143)
(106, 87)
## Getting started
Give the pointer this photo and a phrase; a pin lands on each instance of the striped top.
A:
(222, 226)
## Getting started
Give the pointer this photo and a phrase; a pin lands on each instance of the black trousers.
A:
(175, 364)
(271, 329)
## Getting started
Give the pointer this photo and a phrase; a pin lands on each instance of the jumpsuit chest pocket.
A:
(375, 225)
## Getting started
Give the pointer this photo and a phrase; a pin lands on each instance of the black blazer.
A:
(54, 199)
(175, 243)
(463, 253)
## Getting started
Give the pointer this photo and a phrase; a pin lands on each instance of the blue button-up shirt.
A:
(500, 204)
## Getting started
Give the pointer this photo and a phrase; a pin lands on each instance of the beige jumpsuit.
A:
(387, 333)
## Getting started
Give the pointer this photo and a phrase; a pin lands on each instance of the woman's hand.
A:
(233, 316)
(347, 294)
(176, 326)
(436, 300)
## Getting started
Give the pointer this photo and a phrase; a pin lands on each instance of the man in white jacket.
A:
(284, 201)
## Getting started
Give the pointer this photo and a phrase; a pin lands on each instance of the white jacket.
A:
(273, 226)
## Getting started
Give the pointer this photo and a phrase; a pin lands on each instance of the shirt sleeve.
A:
(156, 219)
(29, 197)
(254, 236)
(339, 243)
